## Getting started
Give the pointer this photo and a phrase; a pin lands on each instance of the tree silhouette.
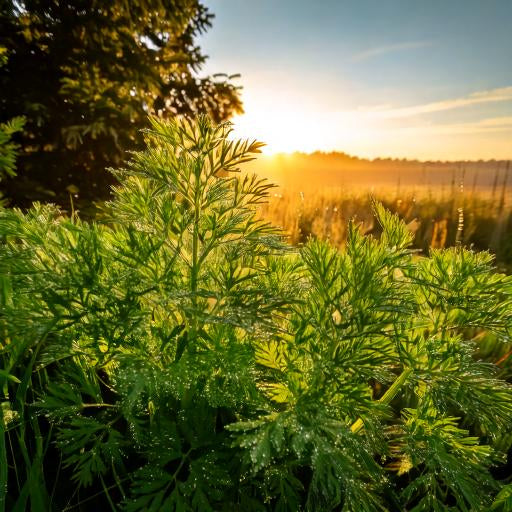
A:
(86, 73)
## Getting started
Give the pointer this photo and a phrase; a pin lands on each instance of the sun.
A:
(290, 125)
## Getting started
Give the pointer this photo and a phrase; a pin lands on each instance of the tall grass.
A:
(438, 217)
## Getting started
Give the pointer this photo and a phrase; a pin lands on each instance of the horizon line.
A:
(391, 158)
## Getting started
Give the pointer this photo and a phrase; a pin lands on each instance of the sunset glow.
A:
(291, 124)
(372, 79)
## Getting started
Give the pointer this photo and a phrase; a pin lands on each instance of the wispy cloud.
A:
(489, 125)
(390, 48)
(493, 95)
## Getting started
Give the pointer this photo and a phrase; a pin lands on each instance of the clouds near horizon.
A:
(492, 95)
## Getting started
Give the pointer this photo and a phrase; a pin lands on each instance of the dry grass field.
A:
(444, 204)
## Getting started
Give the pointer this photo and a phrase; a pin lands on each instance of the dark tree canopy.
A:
(86, 73)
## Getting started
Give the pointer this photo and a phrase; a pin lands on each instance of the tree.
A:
(86, 73)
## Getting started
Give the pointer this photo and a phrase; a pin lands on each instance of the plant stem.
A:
(86, 406)
(195, 244)
(386, 397)
(3, 462)
(195, 250)
(504, 358)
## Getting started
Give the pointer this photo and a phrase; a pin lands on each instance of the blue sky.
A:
(416, 78)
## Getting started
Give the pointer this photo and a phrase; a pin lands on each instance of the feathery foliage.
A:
(8, 148)
(180, 356)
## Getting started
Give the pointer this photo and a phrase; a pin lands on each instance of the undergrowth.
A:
(179, 355)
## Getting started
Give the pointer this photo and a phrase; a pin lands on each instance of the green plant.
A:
(180, 356)
(8, 148)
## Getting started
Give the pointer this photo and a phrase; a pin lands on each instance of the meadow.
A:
(443, 204)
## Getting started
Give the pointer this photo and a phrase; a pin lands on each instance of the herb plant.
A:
(179, 355)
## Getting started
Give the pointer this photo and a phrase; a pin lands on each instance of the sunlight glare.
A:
(287, 126)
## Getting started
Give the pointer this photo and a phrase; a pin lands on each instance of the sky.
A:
(426, 79)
